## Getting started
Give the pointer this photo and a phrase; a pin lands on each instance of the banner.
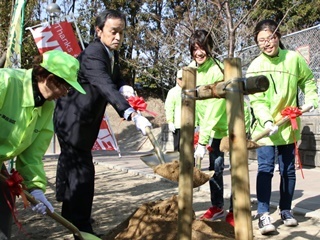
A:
(59, 36)
(13, 56)
(106, 139)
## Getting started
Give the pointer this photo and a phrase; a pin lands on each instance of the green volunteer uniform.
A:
(211, 116)
(26, 132)
(172, 106)
(211, 113)
(286, 73)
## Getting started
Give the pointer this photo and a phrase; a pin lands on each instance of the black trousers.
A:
(75, 185)
(176, 140)
(6, 219)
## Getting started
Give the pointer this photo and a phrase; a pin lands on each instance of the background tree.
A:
(156, 40)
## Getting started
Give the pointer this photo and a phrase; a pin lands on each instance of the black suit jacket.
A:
(77, 116)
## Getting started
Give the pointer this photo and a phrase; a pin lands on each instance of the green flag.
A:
(13, 57)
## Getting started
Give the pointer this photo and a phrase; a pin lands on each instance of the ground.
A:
(122, 198)
(119, 195)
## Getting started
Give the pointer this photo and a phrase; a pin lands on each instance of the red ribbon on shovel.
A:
(292, 113)
(14, 182)
(138, 104)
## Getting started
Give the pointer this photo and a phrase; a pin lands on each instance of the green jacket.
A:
(211, 113)
(26, 131)
(172, 106)
(286, 73)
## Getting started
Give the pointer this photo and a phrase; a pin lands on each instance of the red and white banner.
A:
(58, 36)
(105, 139)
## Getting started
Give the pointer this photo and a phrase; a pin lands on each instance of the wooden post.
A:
(186, 164)
(238, 151)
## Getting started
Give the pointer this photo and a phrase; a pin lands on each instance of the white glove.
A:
(200, 151)
(172, 127)
(43, 202)
(141, 123)
(307, 106)
(269, 125)
(126, 91)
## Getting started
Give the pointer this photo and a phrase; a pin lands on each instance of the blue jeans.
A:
(216, 163)
(266, 159)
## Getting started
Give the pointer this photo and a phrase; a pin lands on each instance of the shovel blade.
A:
(89, 236)
(152, 159)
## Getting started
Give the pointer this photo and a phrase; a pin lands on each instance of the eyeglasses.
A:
(267, 40)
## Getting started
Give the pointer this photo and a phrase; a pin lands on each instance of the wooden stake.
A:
(238, 151)
(185, 212)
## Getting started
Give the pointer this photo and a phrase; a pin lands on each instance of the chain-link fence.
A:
(306, 42)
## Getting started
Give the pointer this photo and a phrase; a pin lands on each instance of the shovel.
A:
(251, 144)
(167, 165)
(64, 222)
(152, 160)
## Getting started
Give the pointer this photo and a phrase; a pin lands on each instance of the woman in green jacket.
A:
(172, 106)
(287, 71)
(26, 109)
(211, 117)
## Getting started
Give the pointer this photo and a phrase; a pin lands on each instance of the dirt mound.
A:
(158, 221)
(171, 171)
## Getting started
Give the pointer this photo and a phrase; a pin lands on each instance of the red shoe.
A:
(213, 213)
(230, 219)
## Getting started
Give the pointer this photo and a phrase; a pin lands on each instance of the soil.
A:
(129, 206)
(126, 201)
(171, 171)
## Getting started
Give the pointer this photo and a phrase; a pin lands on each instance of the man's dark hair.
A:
(107, 14)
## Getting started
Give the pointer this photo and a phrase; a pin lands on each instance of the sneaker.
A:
(288, 218)
(230, 219)
(213, 213)
(265, 225)
(276, 167)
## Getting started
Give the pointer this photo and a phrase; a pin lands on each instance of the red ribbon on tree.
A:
(292, 113)
(138, 104)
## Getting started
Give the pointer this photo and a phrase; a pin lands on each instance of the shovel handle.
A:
(53, 215)
(198, 162)
(279, 123)
(155, 144)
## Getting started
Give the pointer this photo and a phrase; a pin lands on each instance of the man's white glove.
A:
(172, 127)
(126, 91)
(141, 123)
(273, 128)
(43, 202)
(307, 106)
(200, 151)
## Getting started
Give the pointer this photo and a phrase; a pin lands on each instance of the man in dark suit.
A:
(77, 118)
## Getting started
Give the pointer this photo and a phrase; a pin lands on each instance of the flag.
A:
(14, 46)
(106, 140)
(59, 36)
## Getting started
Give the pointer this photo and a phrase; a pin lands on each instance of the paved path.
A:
(306, 198)
(306, 204)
